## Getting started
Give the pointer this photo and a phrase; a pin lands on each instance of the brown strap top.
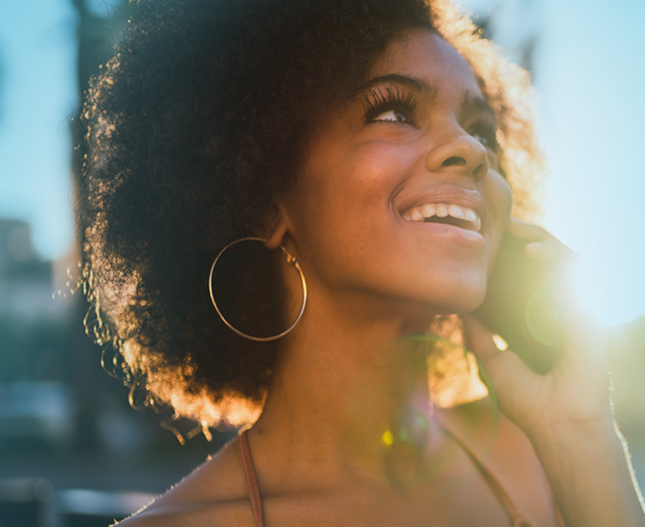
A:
(249, 475)
(517, 519)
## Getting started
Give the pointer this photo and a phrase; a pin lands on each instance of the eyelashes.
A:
(378, 101)
(397, 105)
(486, 134)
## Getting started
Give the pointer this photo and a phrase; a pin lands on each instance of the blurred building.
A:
(25, 280)
(35, 404)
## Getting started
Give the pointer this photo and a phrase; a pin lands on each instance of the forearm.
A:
(591, 477)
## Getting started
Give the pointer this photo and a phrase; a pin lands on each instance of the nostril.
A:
(454, 161)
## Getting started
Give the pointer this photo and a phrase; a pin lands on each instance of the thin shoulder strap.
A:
(244, 453)
(517, 518)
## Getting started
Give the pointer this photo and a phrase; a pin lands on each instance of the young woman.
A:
(339, 175)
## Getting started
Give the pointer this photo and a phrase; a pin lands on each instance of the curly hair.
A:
(195, 128)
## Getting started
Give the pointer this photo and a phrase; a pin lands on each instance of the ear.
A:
(275, 229)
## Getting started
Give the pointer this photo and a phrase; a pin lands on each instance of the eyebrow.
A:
(476, 104)
(428, 90)
(471, 103)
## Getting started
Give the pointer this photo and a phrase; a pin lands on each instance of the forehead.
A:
(423, 54)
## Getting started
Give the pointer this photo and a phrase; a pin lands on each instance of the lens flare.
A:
(388, 438)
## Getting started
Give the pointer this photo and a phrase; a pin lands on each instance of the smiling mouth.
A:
(444, 213)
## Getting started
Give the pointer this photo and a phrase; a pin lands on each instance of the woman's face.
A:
(400, 199)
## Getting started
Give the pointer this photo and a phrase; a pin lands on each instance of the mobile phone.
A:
(526, 302)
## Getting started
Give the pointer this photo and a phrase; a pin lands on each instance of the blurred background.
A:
(72, 451)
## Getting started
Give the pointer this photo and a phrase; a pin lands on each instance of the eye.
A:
(486, 135)
(482, 139)
(393, 116)
(389, 104)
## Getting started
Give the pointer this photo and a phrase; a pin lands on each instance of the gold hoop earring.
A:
(290, 259)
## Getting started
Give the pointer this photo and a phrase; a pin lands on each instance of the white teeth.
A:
(428, 210)
(418, 214)
(456, 212)
(469, 215)
(442, 211)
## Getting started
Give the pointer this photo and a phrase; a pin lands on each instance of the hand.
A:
(575, 392)
(566, 413)
(572, 398)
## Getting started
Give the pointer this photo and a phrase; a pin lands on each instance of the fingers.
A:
(550, 249)
(479, 340)
(513, 382)
(501, 365)
(526, 231)
(542, 245)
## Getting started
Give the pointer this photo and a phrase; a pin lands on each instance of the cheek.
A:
(367, 168)
(352, 180)
(500, 198)
(503, 195)
(340, 209)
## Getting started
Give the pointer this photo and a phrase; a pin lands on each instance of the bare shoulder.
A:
(213, 494)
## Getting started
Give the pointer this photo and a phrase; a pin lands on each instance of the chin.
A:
(459, 298)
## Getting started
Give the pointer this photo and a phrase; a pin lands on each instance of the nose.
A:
(459, 152)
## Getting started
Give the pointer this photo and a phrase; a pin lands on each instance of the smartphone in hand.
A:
(526, 303)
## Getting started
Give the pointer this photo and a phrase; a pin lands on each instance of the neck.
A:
(349, 391)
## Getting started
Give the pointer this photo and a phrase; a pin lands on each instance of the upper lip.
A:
(446, 194)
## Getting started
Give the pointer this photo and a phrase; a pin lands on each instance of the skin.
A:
(373, 276)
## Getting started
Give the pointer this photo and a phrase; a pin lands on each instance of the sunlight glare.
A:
(608, 294)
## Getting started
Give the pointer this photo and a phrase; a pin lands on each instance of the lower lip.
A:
(450, 233)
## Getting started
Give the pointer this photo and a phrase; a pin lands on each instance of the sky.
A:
(589, 72)
(38, 96)
(591, 77)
